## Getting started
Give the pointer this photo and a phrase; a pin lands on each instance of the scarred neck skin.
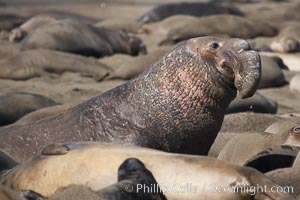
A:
(165, 107)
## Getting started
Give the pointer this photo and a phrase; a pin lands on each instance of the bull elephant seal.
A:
(185, 93)
(95, 165)
(35, 63)
(195, 9)
(242, 147)
(288, 40)
(15, 105)
(178, 28)
(63, 35)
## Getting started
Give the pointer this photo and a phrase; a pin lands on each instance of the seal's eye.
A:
(296, 129)
(213, 45)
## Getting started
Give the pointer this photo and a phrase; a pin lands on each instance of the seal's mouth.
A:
(247, 69)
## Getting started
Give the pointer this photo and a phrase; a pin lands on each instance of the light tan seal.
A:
(95, 165)
(242, 147)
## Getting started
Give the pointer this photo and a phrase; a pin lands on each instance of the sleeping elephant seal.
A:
(132, 174)
(176, 105)
(95, 164)
(127, 67)
(33, 23)
(288, 40)
(15, 105)
(257, 103)
(242, 147)
(38, 62)
(284, 124)
(42, 19)
(194, 9)
(178, 28)
(272, 74)
(77, 37)
(288, 178)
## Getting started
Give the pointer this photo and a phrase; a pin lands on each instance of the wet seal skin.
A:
(176, 105)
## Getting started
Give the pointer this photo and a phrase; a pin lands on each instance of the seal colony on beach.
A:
(186, 94)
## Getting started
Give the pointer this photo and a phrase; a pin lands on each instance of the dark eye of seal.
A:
(296, 129)
(213, 45)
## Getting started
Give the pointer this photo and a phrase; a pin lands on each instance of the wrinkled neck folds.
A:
(182, 86)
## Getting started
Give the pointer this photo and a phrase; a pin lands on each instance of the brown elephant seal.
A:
(288, 40)
(42, 19)
(272, 74)
(178, 28)
(257, 103)
(163, 11)
(288, 178)
(186, 94)
(295, 84)
(127, 67)
(18, 33)
(95, 165)
(273, 158)
(241, 123)
(8, 49)
(39, 62)
(15, 105)
(242, 147)
(261, 43)
(247, 122)
(63, 35)
(42, 114)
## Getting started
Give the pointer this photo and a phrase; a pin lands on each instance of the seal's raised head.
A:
(231, 60)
